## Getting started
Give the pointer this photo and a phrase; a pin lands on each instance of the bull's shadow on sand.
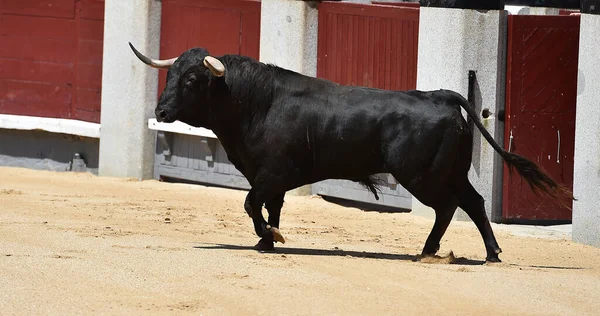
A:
(336, 252)
(373, 255)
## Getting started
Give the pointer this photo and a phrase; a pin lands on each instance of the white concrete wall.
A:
(452, 42)
(586, 179)
(288, 35)
(129, 88)
(288, 39)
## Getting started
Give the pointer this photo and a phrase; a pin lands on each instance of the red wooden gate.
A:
(368, 45)
(220, 26)
(51, 58)
(540, 111)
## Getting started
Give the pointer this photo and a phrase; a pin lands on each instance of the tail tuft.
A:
(538, 180)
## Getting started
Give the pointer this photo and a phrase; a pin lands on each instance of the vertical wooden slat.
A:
(364, 61)
(382, 66)
(333, 44)
(340, 48)
(355, 51)
(371, 53)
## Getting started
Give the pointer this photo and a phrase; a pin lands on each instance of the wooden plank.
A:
(88, 96)
(38, 49)
(35, 92)
(90, 30)
(86, 106)
(91, 9)
(379, 52)
(88, 70)
(90, 52)
(347, 69)
(53, 125)
(48, 53)
(89, 76)
(371, 54)
(50, 8)
(238, 5)
(35, 26)
(26, 70)
(398, 4)
(42, 109)
(211, 178)
(235, 28)
(388, 56)
(347, 8)
(220, 40)
(250, 34)
(169, 46)
(362, 61)
(86, 115)
(339, 39)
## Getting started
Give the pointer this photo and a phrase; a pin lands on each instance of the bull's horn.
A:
(215, 66)
(154, 63)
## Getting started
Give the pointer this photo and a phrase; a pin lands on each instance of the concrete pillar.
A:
(288, 39)
(452, 42)
(288, 34)
(586, 179)
(129, 88)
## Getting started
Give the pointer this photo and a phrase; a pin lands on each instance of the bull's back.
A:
(343, 131)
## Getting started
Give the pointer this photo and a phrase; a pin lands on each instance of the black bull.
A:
(282, 130)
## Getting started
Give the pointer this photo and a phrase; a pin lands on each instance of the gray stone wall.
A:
(452, 42)
(46, 151)
(586, 179)
(129, 88)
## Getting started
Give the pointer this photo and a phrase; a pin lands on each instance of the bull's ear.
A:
(214, 65)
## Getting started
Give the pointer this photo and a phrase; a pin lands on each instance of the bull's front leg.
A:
(273, 206)
(268, 231)
(247, 206)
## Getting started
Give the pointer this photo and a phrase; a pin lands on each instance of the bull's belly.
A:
(347, 167)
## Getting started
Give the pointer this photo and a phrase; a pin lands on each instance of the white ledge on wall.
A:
(181, 128)
(48, 124)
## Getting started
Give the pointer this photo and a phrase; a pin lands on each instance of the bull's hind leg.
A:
(443, 216)
(473, 204)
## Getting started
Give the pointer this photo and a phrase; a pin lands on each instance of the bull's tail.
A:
(537, 179)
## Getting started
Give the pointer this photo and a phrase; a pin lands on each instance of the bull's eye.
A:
(191, 80)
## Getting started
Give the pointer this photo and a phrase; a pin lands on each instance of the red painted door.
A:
(368, 45)
(220, 26)
(541, 95)
(51, 58)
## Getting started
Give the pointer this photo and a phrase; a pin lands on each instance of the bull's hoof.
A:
(264, 245)
(493, 256)
(429, 252)
(277, 236)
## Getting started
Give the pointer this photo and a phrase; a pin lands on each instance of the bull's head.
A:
(189, 80)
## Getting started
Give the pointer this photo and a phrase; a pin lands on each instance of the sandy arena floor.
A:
(80, 244)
